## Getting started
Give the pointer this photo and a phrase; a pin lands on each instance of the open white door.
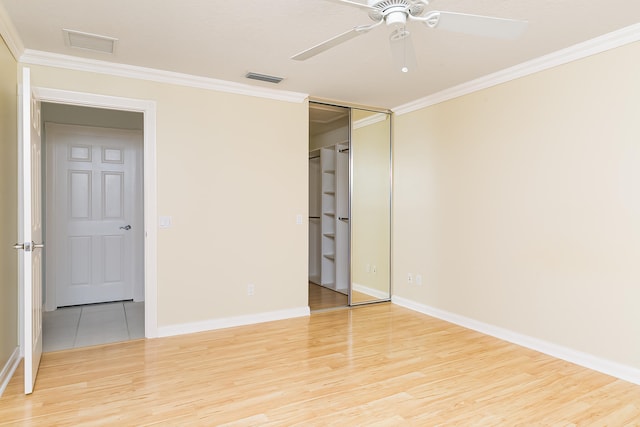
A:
(32, 246)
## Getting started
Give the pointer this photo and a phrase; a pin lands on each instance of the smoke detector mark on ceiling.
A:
(264, 77)
(87, 41)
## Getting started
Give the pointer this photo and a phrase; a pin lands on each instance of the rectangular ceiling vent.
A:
(264, 77)
(87, 41)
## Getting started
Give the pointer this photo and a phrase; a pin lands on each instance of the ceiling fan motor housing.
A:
(395, 12)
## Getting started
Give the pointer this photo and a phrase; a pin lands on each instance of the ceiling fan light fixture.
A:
(396, 18)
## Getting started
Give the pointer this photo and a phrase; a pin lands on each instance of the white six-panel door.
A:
(96, 212)
(30, 208)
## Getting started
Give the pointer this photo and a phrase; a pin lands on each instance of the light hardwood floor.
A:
(377, 365)
(321, 298)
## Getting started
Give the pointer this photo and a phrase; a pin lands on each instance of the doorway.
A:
(329, 236)
(94, 283)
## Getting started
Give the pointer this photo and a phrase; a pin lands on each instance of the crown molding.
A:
(375, 118)
(35, 57)
(591, 47)
(10, 34)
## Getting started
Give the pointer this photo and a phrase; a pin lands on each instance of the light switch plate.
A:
(164, 222)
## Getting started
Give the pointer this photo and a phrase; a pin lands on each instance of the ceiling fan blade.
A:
(354, 3)
(335, 41)
(479, 25)
(402, 51)
(326, 45)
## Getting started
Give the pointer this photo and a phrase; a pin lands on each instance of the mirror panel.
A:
(370, 215)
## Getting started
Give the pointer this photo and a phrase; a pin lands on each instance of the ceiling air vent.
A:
(87, 41)
(264, 77)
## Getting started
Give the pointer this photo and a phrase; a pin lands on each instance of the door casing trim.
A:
(150, 202)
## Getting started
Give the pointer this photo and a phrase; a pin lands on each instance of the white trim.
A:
(35, 57)
(9, 34)
(8, 369)
(229, 322)
(618, 370)
(370, 291)
(597, 45)
(375, 118)
(148, 108)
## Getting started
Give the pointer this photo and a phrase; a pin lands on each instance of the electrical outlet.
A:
(367, 268)
(419, 279)
(251, 289)
(410, 278)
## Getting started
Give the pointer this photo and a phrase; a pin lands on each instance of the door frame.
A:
(148, 108)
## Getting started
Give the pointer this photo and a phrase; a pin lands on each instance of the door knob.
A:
(126, 227)
(28, 246)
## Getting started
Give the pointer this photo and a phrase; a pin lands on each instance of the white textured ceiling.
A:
(226, 39)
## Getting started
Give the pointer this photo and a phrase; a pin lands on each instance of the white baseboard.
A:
(229, 322)
(370, 291)
(618, 370)
(8, 369)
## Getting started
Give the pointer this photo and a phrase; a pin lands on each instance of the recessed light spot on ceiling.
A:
(88, 41)
(263, 77)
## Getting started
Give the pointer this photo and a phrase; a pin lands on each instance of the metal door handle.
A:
(28, 246)
(126, 227)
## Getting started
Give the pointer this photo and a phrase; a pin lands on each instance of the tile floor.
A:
(86, 325)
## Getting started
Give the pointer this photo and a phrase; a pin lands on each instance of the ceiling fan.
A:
(397, 13)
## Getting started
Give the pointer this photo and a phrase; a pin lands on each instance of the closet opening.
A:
(350, 179)
(328, 206)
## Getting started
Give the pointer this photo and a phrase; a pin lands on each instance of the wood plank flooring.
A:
(321, 298)
(377, 365)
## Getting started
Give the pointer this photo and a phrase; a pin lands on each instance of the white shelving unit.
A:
(329, 235)
(328, 168)
(315, 223)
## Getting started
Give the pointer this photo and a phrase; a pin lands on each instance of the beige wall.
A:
(8, 205)
(520, 205)
(327, 139)
(232, 173)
